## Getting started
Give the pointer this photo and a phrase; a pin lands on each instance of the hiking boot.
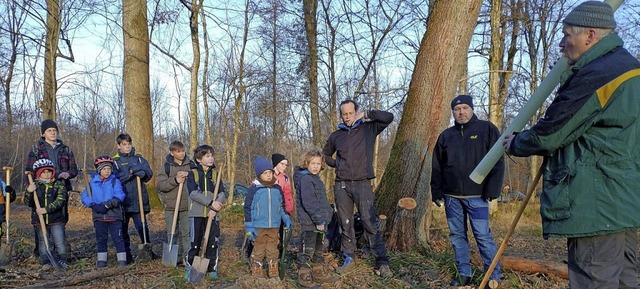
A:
(462, 281)
(122, 264)
(101, 264)
(257, 270)
(47, 267)
(63, 264)
(320, 275)
(347, 264)
(213, 275)
(273, 269)
(304, 277)
(384, 271)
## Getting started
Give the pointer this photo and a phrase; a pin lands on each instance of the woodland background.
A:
(256, 77)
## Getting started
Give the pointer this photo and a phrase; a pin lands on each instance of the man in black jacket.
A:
(458, 150)
(353, 145)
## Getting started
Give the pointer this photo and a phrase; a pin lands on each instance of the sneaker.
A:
(384, 271)
(47, 267)
(213, 275)
(101, 264)
(347, 264)
(63, 264)
(122, 264)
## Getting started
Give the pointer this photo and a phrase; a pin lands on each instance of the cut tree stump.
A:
(535, 266)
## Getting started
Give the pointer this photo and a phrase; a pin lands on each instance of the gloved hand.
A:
(438, 202)
(99, 208)
(114, 202)
(8, 190)
(487, 199)
(139, 173)
(250, 230)
(63, 175)
(287, 221)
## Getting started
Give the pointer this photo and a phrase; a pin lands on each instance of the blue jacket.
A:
(125, 167)
(6, 190)
(105, 191)
(264, 206)
(312, 205)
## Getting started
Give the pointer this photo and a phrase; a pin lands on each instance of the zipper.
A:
(269, 198)
(46, 201)
(462, 129)
(204, 208)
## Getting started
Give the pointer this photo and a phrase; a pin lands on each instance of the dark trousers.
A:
(138, 223)
(198, 226)
(312, 247)
(360, 194)
(603, 262)
(103, 230)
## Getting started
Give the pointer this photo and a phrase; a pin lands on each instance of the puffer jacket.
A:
(312, 204)
(104, 191)
(589, 137)
(125, 166)
(53, 197)
(201, 192)
(61, 156)
(264, 206)
(168, 187)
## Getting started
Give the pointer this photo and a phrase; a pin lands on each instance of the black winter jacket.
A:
(312, 204)
(354, 147)
(126, 167)
(458, 151)
(53, 197)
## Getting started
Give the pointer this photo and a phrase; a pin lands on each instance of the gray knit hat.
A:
(592, 14)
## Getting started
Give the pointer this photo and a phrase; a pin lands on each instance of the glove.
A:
(63, 175)
(114, 202)
(287, 221)
(487, 199)
(8, 190)
(438, 202)
(139, 173)
(250, 230)
(100, 208)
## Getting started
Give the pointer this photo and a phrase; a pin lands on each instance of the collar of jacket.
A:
(471, 121)
(120, 154)
(605, 45)
(170, 159)
(343, 126)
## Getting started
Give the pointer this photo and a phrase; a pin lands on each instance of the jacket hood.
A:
(299, 172)
(170, 159)
(121, 154)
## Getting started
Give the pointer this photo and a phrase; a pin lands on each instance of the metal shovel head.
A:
(53, 261)
(5, 254)
(198, 269)
(144, 252)
(169, 254)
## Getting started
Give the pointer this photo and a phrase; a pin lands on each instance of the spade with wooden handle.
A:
(43, 229)
(5, 249)
(145, 252)
(170, 251)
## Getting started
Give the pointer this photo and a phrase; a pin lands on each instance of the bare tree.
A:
(310, 8)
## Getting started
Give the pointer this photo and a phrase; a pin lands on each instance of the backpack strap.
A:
(166, 168)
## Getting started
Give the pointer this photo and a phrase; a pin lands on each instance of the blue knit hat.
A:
(261, 164)
(592, 14)
(460, 99)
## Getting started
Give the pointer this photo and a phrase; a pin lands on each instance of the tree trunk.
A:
(195, 68)
(408, 172)
(496, 52)
(138, 117)
(205, 75)
(310, 25)
(535, 266)
(48, 104)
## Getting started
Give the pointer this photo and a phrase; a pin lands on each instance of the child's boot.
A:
(273, 269)
(122, 259)
(304, 277)
(102, 260)
(257, 270)
(320, 275)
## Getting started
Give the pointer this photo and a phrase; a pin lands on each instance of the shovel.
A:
(200, 263)
(170, 251)
(282, 263)
(244, 244)
(5, 250)
(43, 228)
(144, 250)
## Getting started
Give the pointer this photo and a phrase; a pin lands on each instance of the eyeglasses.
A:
(285, 164)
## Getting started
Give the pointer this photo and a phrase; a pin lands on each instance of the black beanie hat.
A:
(47, 124)
(277, 158)
(466, 99)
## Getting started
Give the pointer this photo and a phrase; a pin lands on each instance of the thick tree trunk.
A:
(535, 266)
(48, 104)
(138, 117)
(496, 52)
(426, 111)
(310, 24)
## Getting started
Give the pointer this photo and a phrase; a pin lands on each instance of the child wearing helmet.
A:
(104, 196)
(53, 198)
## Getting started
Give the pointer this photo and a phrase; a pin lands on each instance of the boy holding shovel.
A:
(174, 172)
(201, 186)
(133, 171)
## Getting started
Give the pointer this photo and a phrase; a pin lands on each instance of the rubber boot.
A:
(257, 270)
(320, 275)
(304, 277)
(273, 269)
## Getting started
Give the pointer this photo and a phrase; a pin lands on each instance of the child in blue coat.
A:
(105, 201)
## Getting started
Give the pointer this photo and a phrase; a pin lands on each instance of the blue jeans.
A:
(55, 236)
(477, 210)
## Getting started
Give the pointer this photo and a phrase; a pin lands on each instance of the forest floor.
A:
(429, 268)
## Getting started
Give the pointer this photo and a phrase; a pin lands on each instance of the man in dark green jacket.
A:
(589, 137)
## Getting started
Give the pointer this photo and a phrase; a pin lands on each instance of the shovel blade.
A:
(5, 254)
(53, 261)
(282, 269)
(169, 255)
(145, 253)
(198, 269)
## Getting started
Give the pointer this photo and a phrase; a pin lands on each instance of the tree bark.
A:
(496, 52)
(137, 95)
(426, 111)
(535, 266)
(48, 104)
(311, 25)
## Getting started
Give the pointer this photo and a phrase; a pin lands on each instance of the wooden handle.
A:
(141, 207)
(176, 210)
(86, 183)
(43, 227)
(7, 203)
(215, 190)
(205, 242)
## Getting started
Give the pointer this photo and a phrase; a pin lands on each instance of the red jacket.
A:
(285, 183)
